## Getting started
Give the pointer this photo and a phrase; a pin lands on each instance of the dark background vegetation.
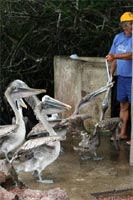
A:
(32, 32)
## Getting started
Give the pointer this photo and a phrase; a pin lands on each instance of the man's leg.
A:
(124, 115)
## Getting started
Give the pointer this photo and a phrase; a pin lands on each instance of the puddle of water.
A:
(81, 178)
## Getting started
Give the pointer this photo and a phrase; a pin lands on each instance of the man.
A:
(120, 57)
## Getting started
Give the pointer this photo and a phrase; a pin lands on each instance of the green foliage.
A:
(34, 31)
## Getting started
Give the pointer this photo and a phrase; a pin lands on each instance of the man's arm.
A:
(124, 56)
(112, 67)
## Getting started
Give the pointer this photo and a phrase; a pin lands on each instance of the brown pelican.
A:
(36, 154)
(12, 136)
(113, 125)
(90, 143)
(48, 106)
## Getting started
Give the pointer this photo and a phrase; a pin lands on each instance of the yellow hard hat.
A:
(127, 16)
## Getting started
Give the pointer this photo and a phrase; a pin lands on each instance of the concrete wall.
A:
(73, 79)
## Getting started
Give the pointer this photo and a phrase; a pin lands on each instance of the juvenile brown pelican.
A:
(90, 143)
(36, 154)
(47, 106)
(12, 136)
(113, 125)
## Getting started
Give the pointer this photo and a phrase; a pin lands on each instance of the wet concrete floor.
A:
(82, 178)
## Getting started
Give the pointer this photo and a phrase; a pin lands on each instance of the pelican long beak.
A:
(99, 91)
(26, 92)
(52, 103)
(85, 100)
(21, 103)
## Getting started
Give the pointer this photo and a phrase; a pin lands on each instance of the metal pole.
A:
(131, 145)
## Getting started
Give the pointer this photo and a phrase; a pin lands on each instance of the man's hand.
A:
(110, 57)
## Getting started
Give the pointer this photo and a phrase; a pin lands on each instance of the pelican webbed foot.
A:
(85, 157)
(39, 178)
(96, 157)
(46, 181)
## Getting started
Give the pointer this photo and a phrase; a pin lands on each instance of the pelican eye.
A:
(15, 89)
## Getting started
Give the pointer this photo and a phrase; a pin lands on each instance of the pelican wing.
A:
(40, 130)
(37, 131)
(23, 155)
(33, 143)
(7, 129)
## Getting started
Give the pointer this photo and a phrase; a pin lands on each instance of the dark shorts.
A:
(124, 85)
